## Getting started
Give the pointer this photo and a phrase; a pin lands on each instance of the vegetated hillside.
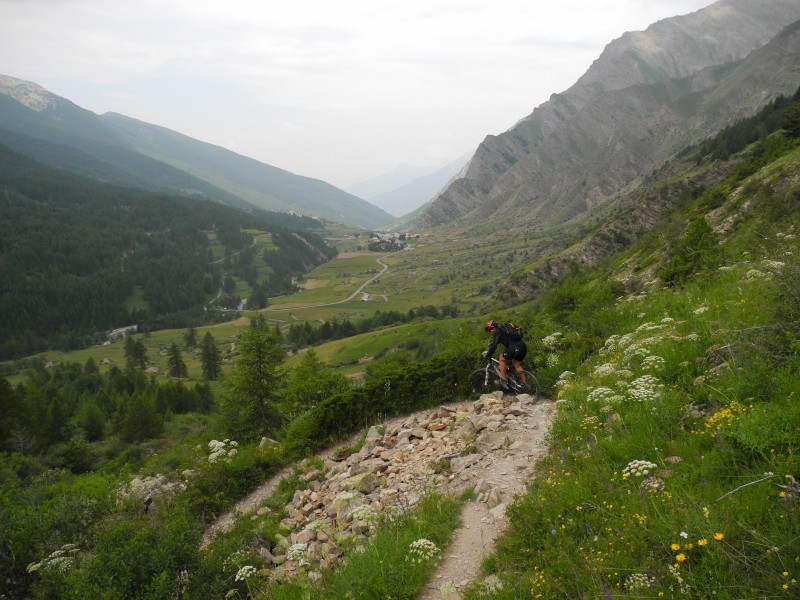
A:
(633, 213)
(124, 151)
(61, 134)
(671, 472)
(673, 467)
(78, 257)
(648, 95)
(260, 184)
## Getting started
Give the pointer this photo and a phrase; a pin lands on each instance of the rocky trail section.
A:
(489, 446)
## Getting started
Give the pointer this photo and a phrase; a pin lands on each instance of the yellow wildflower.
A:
(702, 542)
(676, 547)
(719, 536)
(681, 557)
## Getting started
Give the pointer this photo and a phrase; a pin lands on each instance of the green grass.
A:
(715, 517)
(395, 564)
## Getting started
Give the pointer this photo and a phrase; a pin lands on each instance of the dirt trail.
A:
(506, 469)
(505, 454)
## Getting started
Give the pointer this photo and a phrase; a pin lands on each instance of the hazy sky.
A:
(340, 90)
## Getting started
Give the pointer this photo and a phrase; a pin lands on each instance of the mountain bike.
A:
(487, 379)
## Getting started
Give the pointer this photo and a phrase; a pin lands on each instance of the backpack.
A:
(514, 332)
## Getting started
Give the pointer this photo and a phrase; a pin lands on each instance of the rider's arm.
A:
(493, 344)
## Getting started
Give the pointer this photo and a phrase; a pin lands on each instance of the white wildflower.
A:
(590, 420)
(600, 394)
(565, 378)
(245, 573)
(774, 265)
(551, 340)
(700, 310)
(297, 552)
(604, 369)
(637, 582)
(610, 345)
(645, 388)
(638, 468)
(626, 340)
(421, 550)
(221, 451)
(652, 362)
(634, 352)
(755, 274)
(683, 587)
(61, 560)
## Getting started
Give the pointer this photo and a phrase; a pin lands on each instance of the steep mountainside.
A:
(260, 184)
(649, 94)
(124, 151)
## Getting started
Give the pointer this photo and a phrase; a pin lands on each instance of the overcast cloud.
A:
(340, 90)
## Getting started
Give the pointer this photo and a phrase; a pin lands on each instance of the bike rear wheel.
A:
(529, 386)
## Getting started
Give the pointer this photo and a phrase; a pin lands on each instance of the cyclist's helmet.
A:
(491, 325)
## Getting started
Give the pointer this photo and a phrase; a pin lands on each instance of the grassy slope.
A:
(718, 423)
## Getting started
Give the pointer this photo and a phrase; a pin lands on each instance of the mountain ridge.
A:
(122, 145)
(622, 117)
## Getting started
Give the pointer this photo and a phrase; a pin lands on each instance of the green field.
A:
(457, 271)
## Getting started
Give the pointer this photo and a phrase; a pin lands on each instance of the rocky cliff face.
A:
(649, 94)
(27, 93)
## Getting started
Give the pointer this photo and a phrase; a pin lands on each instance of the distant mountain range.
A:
(647, 96)
(406, 188)
(121, 150)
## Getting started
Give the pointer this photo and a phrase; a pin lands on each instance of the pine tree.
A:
(791, 121)
(190, 338)
(210, 358)
(130, 351)
(175, 365)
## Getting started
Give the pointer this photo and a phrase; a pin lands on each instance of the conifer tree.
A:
(175, 365)
(791, 121)
(210, 358)
(256, 385)
(190, 338)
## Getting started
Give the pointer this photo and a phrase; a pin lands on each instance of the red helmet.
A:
(490, 325)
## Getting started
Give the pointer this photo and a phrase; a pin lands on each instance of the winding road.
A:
(383, 270)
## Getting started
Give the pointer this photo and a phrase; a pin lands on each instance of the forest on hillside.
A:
(79, 257)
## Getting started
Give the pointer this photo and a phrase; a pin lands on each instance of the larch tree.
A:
(255, 386)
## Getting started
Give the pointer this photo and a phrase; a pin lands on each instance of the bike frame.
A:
(493, 368)
(514, 385)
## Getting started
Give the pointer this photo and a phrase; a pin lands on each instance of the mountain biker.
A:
(509, 336)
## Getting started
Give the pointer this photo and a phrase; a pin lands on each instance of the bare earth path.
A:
(510, 435)
(506, 469)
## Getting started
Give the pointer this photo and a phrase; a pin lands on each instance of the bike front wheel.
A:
(479, 383)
